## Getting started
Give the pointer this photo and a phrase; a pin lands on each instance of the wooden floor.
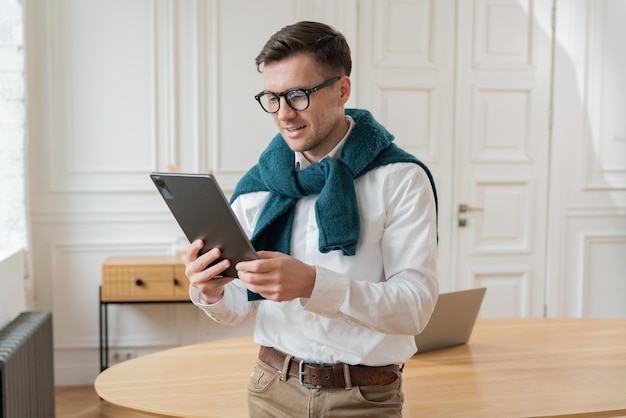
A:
(83, 402)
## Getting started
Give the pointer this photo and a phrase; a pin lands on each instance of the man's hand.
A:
(206, 280)
(277, 276)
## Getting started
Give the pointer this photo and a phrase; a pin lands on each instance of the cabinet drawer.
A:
(143, 282)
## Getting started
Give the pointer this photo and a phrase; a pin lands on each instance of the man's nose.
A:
(285, 111)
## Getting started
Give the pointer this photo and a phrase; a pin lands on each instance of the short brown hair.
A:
(329, 47)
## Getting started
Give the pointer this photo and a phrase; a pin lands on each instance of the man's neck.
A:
(303, 160)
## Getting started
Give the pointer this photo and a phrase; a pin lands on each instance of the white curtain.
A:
(12, 109)
(14, 236)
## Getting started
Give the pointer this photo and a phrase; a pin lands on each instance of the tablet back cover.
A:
(203, 212)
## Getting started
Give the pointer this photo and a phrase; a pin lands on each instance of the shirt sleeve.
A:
(403, 301)
(232, 309)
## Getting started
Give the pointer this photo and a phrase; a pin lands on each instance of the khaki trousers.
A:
(270, 395)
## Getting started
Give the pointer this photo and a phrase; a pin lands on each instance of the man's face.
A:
(316, 130)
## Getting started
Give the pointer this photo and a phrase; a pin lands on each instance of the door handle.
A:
(464, 207)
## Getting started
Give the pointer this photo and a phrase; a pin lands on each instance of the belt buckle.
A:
(301, 374)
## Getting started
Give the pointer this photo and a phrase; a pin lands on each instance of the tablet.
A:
(203, 212)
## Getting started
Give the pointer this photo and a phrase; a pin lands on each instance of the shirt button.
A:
(312, 227)
(309, 316)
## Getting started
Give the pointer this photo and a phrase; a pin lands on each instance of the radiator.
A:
(26, 367)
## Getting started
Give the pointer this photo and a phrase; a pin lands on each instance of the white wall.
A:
(12, 296)
(587, 227)
(117, 89)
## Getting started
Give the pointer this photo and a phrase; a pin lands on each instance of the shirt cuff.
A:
(329, 292)
(212, 310)
(197, 298)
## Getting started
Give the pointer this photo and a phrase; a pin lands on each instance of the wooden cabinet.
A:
(157, 279)
(144, 279)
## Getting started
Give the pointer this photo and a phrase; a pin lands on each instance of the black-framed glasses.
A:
(297, 99)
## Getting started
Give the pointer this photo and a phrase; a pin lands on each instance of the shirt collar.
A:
(301, 162)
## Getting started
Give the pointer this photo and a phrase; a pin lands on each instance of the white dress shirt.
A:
(364, 309)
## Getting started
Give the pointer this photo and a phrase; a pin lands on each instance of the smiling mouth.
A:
(294, 129)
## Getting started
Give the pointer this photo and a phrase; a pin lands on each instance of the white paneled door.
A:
(502, 152)
(466, 87)
(405, 64)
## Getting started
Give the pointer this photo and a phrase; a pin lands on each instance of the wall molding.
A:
(83, 278)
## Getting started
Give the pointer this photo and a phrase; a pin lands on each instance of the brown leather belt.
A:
(316, 375)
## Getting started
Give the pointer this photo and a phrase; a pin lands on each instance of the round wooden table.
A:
(510, 368)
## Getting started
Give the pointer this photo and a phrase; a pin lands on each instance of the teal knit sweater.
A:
(368, 146)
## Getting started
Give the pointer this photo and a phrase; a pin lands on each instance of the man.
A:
(345, 227)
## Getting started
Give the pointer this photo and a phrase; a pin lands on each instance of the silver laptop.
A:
(452, 320)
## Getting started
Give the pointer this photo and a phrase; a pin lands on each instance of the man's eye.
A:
(296, 95)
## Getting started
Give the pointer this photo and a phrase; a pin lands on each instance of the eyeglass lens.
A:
(296, 99)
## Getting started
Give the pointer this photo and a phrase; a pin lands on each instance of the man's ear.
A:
(345, 87)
